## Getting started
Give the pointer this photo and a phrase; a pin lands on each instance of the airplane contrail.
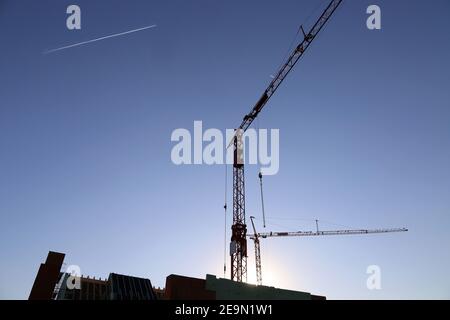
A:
(98, 39)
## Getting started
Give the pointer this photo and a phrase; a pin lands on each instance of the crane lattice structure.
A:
(256, 237)
(238, 245)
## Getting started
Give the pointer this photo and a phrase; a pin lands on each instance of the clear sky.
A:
(364, 123)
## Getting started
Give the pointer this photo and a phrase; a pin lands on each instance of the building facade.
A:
(53, 283)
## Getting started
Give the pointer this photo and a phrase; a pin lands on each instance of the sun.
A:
(273, 273)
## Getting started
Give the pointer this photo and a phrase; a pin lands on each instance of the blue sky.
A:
(364, 120)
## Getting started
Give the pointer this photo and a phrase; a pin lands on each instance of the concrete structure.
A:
(116, 287)
(51, 283)
(212, 288)
(160, 293)
(122, 287)
(90, 289)
(185, 288)
(47, 277)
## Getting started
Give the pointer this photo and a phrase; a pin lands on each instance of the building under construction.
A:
(52, 283)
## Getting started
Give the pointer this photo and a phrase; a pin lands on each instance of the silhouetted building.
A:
(47, 277)
(90, 289)
(212, 288)
(186, 288)
(122, 287)
(52, 283)
(160, 293)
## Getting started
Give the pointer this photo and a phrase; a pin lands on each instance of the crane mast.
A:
(255, 238)
(238, 245)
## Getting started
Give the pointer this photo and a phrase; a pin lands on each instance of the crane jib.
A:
(238, 239)
(248, 118)
(290, 63)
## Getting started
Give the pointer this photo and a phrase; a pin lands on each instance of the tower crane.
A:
(238, 245)
(256, 237)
